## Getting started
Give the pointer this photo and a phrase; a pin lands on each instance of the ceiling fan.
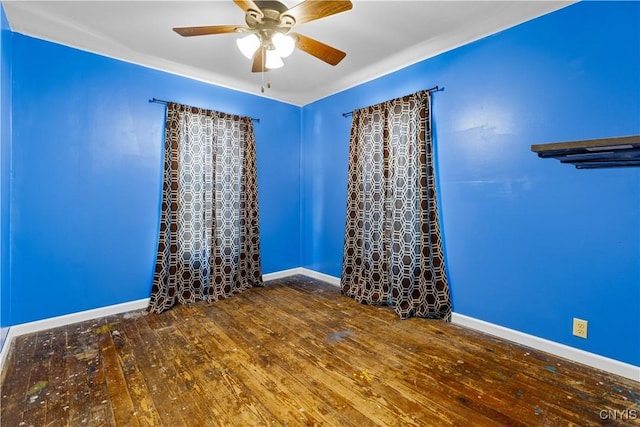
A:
(269, 25)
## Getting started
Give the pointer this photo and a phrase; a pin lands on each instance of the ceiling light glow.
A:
(273, 60)
(248, 45)
(284, 44)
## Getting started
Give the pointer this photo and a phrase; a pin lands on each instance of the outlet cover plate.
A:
(580, 327)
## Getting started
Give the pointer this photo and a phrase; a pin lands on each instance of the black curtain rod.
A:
(433, 89)
(162, 101)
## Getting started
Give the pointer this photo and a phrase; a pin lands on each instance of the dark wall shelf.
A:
(623, 151)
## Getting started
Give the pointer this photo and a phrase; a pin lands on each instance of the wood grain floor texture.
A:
(296, 353)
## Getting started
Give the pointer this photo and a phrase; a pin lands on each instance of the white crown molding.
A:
(125, 32)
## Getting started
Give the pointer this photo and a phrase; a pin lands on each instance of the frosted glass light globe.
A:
(284, 44)
(273, 60)
(248, 45)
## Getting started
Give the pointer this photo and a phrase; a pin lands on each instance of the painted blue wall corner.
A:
(87, 156)
(530, 243)
(5, 169)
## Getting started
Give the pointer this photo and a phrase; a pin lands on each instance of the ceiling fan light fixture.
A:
(248, 45)
(284, 44)
(268, 28)
(273, 60)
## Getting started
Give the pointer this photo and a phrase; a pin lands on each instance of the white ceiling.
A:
(378, 36)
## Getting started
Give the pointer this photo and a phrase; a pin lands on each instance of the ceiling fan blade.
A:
(258, 61)
(203, 31)
(310, 10)
(246, 5)
(324, 52)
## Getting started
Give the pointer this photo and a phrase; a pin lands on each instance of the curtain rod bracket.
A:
(163, 102)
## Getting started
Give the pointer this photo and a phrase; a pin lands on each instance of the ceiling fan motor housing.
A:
(269, 18)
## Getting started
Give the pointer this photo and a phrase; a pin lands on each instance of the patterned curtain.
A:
(392, 251)
(209, 245)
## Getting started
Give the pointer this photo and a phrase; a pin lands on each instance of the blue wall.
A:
(530, 243)
(5, 164)
(87, 162)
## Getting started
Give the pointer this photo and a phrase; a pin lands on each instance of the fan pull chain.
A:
(263, 71)
(268, 80)
(262, 63)
(262, 74)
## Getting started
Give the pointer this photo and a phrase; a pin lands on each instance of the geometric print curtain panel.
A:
(393, 248)
(209, 243)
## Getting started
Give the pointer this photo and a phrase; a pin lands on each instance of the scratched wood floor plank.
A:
(158, 397)
(561, 401)
(101, 412)
(81, 362)
(57, 395)
(541, 388)
(203, 380)
(225, 367)
(446, 360)
(353, 359)
(15, 380)
(322, 345)
(296, 353)
(390, 362)
(558, 397)
(174, 368)
(306, 405)
(138, 389)
(245, 365)
(38, 380)
(176, 402)
(122, 407)
(272, 346)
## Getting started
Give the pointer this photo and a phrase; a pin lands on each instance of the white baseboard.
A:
(282, 273)
(54, 322)
(590, 359)
(332, 280)
(586, 358)
(67, 319)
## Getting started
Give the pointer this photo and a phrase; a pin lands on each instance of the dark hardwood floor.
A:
(296, 353)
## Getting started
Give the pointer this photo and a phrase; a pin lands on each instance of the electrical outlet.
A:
(580, 328)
